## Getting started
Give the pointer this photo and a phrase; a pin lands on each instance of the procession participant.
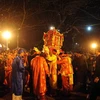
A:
(18, 70)
(71, 79)
(66, 72)
(52, 61)
(39, 71)
(32, 54)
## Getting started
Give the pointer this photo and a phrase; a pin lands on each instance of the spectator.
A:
(80, 72)
(95, 87)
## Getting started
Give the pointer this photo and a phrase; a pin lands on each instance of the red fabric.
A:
(40, 69)
(65, 66)
(65, 83)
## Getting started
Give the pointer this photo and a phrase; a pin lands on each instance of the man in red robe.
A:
(66, 72)
(39, 70)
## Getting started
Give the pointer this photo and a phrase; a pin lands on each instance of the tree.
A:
(30, 18)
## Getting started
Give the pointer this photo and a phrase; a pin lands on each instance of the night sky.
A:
(31, 18)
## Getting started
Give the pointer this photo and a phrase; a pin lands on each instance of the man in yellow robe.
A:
(52, 58)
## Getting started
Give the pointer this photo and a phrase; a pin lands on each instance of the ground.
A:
(5, 94)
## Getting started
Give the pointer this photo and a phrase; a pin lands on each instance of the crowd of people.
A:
(42, 73)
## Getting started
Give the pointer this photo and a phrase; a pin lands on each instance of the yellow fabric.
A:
(52, 58)
(71, 79)
(53, 70)
(52, 63)
(53, 81)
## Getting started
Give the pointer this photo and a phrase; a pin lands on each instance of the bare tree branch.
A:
(24, 13)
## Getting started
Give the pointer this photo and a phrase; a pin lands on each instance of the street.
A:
(5, 94)
(73, 96)
(27, 97)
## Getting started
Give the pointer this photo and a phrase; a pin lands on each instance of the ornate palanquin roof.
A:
(53, 39)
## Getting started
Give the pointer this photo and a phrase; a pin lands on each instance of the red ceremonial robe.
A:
(40, 69)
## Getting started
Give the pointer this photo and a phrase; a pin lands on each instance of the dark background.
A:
(31, 18)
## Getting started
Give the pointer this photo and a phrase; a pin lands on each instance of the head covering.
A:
(21, 51)
(36, 50)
